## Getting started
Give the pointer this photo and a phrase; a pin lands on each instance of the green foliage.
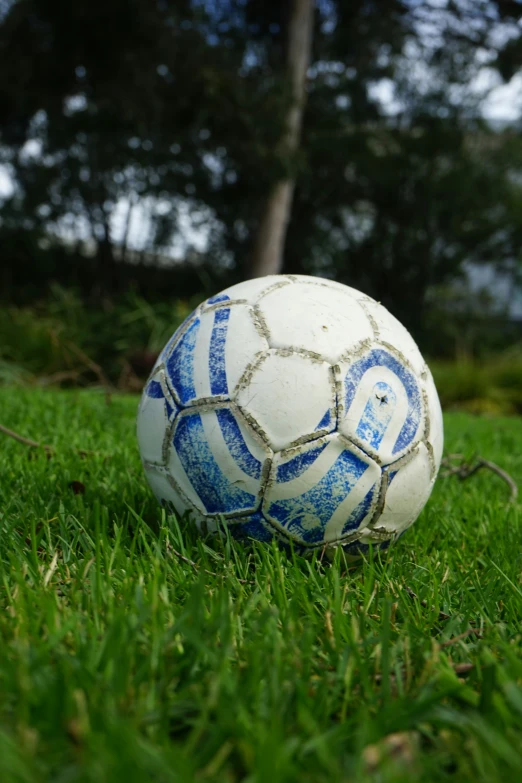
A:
(177, 107)
(31, 340)
(463, 319)
(121, 659)
(59, 340)
(493, 385)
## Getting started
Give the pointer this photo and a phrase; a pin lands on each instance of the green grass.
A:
(121, 662)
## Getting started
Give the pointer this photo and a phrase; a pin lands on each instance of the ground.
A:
(131, 650)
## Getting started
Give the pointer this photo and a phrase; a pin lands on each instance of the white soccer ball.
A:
(294, 408)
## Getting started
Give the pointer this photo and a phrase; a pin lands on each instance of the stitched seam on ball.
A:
(274, 287)
(373, 323)
(224, 303)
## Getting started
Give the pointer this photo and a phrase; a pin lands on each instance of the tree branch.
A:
(26, 441)
(33, 444)
(465, 470)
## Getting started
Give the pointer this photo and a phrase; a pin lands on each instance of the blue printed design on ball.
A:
(216, 492)
(165, 352)
(391, 475)
(254, 527)
(154, 390)
(307, 515)
(237, 447)
(373, 423)
(296, 466)
(359, 513)
(180, 364)
(218, 298)
(377, 414)
(216, 358)
(327, 422)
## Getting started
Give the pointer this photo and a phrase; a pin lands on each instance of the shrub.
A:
(62, 341)
(492, 385)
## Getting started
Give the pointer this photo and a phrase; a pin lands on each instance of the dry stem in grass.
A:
(195, 566)
(33, 444)
(402, 748)
(461, 636)
(465, 470)
(86, 360)
(424, 604)
(59, 377)
(96, 369)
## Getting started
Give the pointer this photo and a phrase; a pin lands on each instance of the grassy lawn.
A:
(119, 661)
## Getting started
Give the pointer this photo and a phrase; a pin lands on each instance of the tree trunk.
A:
(268, 249)
(126, 231)
(107, 265)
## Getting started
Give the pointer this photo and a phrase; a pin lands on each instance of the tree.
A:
(186, 107)
(267, 254)
(113, 114)
(396, 198)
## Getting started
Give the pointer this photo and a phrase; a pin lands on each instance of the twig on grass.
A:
(69, 345)
(465, 470)
(461, 636)
(196, 567)
(424, 604)
(458, 668)
(58, 377)
(463, 668)
(92, 365)
(33, 444)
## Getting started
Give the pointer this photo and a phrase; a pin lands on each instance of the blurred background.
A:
(153, 152)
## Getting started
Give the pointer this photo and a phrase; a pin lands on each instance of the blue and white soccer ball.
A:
(294, 408)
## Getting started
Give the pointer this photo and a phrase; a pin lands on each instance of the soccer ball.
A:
(293, 408)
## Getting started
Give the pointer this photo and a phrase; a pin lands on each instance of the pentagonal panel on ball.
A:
(409, 487)
(382, 405)
(325, 320)
(322, 491)
(217, 461)
(291, 397)
(249, 291)
(212, 353)
(156, 411)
